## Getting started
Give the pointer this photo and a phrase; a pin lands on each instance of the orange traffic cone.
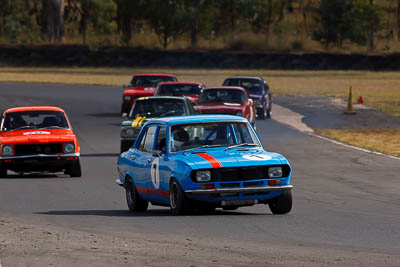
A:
(350, 109)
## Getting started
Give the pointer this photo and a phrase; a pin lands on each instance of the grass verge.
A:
(379, 90)
(382, 140)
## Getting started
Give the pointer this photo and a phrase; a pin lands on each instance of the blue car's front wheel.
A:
(177, 198)
(281, 204)
(134, 201)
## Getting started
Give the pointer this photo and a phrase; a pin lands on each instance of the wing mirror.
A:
(251, 101)
(124, 115)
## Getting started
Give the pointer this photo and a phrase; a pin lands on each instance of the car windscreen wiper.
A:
(53, 127)
(24, 127)
(242, 144)
(199, 147)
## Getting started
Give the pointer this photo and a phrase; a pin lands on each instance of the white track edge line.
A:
(351, 146)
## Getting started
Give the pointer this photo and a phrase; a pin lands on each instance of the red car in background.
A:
(188, 89)
(38, 139)
(142, 85)
(227, 100)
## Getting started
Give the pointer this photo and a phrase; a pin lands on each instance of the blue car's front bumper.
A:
(260, 189)
(223, 196)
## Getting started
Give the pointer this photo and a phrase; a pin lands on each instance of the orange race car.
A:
(38, 139)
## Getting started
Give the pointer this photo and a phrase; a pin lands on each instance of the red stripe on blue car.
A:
(213, 161)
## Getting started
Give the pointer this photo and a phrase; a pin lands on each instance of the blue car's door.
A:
(143, 158)
(157, 182)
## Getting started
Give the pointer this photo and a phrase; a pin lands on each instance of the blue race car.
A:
(205, 162)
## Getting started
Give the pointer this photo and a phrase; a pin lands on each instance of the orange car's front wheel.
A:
(75, 169)
(3, 172)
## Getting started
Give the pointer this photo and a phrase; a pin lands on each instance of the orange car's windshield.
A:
(34, 119)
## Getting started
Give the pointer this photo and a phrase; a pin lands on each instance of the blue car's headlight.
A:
(275, 172)
(203, 176)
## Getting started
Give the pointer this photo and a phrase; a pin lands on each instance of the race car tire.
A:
(3, 172)
(75, 170)
(134, 201)
(262, 113)
(281, 204)
(268, 115)
(177, 198)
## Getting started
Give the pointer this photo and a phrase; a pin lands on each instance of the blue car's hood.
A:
(206, 159)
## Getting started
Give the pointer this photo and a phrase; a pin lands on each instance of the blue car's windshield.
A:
(213, 134)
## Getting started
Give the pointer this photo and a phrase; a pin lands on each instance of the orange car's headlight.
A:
(7, 150)
(69, 148)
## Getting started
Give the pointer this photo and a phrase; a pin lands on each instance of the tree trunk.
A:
(269, 15)
(83, 22)
(126, 29)
(194, 23)
(55, 20)
(43, 18)
(282, 10)
(165, 39)
(398, 19)
(31, 20)
(232, 16)
(124, 21)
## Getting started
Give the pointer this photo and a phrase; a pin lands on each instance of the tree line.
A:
(331, 22)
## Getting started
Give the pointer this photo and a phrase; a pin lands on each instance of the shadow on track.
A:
(95, 155)
(105, 115)
(150, 213)
(35, 176)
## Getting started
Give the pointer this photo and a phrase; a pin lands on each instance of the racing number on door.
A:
(155, 173)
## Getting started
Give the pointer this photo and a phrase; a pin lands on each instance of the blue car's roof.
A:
(198, 118)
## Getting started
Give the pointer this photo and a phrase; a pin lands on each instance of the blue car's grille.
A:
(239, 174)
(242, 173)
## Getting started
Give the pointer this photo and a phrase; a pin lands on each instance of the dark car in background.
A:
(192, 90)
(258, 90)
(142, 85)
(146, 108)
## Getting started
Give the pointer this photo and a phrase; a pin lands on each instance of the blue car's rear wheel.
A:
(134, 201)
(177, 198)
(281, 204)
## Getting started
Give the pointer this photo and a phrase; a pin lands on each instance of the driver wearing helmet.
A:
(181, 138)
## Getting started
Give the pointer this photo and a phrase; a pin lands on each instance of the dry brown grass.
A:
(380, 90)
(384, 140)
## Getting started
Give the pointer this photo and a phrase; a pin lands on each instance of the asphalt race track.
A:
(344, 199)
